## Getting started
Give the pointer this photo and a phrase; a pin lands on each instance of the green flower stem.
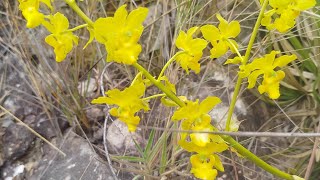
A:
(153, 96)
(78, 27)
(255, 31)
(233, 143)
(247, 154)
(169, 62)
(157, 83)
(244, 62)
(75, 7)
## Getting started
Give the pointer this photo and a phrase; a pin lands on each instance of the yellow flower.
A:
(129, 102)
(202, 143)
(30, 11)
(287, 11)
(195, 117)
(121, 33)
(193, 50)
(265, 66)
(220, 37)
(299, 5)
(271, 84)
(194, 113)
(212, 147)
(203, 166)
(61, 40)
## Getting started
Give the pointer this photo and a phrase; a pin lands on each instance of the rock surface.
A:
(17, 140)
(120, 140)
(81, 162)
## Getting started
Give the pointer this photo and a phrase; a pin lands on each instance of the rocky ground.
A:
(23, 155)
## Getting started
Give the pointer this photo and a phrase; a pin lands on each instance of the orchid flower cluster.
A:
(62, 39)
(284, 13)
(120, 35)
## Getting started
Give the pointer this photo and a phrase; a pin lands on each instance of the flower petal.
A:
(219, 50)
(223, 26)
(197, 46)
(252, 78)
(210, 33)
(101, 27)
(304, 4)
(233, 29)
(208, 104)
(180, 41)
(120, 15)
(217, 163)
(136, 17)
(202, 168)
(284, 60)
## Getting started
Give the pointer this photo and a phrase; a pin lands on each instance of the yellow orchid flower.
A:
(299, 5)
(287, 11)
(193, 50)
(265, 66)
(194, 114)
(61, 40)
(129, 102)
(121, 33)
(203, 166)
(221, 37)
(30, 11)
(271, 84)
(195, 117)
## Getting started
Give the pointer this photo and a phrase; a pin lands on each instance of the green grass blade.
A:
(307, 63)
(129, 158)
(139, 148)
(149, 144)
(163, 161)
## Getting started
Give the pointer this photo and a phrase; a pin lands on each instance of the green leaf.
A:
(129, 158)
(163, 161)
(149, 144)
(138, 148)
(307, 62)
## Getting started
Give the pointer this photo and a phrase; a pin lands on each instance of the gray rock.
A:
(44, 127)
(81, 162)
(12, 172)
(120, 140)
(17, 140)
(86, 88)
